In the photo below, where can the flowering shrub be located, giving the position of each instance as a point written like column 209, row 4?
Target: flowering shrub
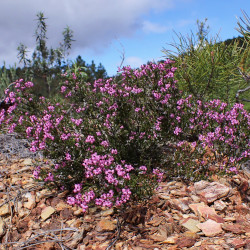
column 222, row 138
column 107, row 139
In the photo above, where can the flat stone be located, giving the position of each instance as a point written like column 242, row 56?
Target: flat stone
column 77, row 212
column 204, row 211
column 164, row 196
column 216, row 218
column 210, row 246
column 242, row 209
column 2, row 227
column 4, row 210
column 210, row 228
column 195, row 198
column 170, row 240
column 185, row 242
column 181, row 204
column 47, row 212
column 157, row 237
column 180, row 193
column 156, row 221
column 190, row 234
column 194, row 207
column 191, row 225
column 61, row 205
column 166, row 229
column 31, row 201
column 234, row 228
column 229, row 219
column 23, row 212
column 211, row 191
column 237, row 243
column 209, row 213
column 27, row 162
column 105, row 225
column 219, row 205
column 107, row 212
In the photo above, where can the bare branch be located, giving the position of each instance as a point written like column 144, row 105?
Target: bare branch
column 247, row 79
column 122, row 52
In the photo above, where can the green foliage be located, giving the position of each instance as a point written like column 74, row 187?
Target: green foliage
column 208, row 69
column 244, row 66
column 7, row 76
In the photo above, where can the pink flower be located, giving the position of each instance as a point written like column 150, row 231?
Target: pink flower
column 51, row 108
column 36, row 174
column 63, row 89
column 105, row 144
column 144, row 169
column 68, row 157
column 78, row 188
column 177, row 131
column 90, row 139
column 71, row 200
column 113, row 151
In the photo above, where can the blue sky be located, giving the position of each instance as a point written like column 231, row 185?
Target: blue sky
column 103, row 29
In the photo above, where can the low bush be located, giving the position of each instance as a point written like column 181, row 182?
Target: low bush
column 110, row 140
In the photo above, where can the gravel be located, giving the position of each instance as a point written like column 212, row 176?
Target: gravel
column 12, row 146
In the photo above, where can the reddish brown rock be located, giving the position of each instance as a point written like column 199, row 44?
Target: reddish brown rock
column 234, row 228
column 156, row 221
column 47, row 212
column 185, row 242
column 237, row 243
column 157, row 237
column 209, row 213
column 211, row 191
column 180, row 204
column 210, row 228
column 219, row 205
column 66, row 213
column 2, row 227
column 5, row 210
column 216, row 218
column 194, row 207
column 171, row 240
column 191, row 224
column 105, row 225
column 211, row 247
column 31, row 201
column 242, row 209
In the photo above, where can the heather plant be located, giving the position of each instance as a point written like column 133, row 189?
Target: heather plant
column 222, row 139
column 107, row 138
column 104, row 138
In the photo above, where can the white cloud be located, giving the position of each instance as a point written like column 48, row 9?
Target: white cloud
column 95, row 22
column 149, row 27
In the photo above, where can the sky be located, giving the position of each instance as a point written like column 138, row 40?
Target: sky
column 108, row 30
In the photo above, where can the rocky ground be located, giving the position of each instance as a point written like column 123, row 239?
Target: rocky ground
column 202, row 215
